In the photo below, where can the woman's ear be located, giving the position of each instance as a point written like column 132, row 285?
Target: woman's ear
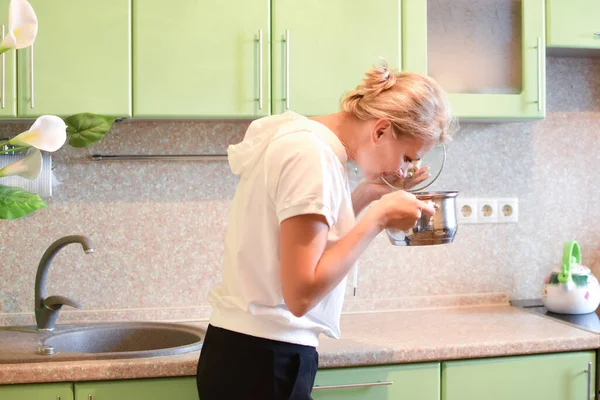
column 379, row 129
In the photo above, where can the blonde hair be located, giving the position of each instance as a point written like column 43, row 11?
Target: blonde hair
column 415, row 104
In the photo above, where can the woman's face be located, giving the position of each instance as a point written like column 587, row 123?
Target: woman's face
column 383, row 154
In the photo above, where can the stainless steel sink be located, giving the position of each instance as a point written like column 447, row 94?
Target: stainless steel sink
column 125, row 340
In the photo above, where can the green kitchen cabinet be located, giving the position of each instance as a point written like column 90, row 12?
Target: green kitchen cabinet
column 80, row 61
column 8, row 69
column 478, row 23
column 201, row 59
column 539, row 377
column 42, row 391
column 146, row 389
column 322, row 49
column 409, row 381
column 573, row 24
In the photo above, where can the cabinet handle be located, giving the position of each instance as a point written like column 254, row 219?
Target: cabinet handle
column 539, row 62
column 287, row 69
column 31, row 101
column 260, row 69
column 597, row 34
column 589, row 381
column 353, row 385
column 3, row 76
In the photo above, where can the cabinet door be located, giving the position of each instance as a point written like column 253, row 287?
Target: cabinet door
column 80, row 61
column 414, row 382
column 44, row 391
column 146, row 389
column 322, row 49
column 8, row 71
column 491, row 67
column 200, row 58
column 543, row 377
column 573, row 24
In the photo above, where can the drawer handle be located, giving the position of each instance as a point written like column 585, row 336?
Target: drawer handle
column 260, row 69
column 539, row 63
column 353, row 385
column 589, row 381
column 31, row 77
column 597, row 34
column 287, row 69
column 3, row 75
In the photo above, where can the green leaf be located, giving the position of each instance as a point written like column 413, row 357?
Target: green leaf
column 85, row 129
column 17, row 203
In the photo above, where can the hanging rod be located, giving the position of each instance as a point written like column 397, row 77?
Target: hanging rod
column 163, row 157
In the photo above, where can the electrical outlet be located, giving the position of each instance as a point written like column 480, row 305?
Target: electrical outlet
column 466, row 210
column 508, row 210
column 487, row 211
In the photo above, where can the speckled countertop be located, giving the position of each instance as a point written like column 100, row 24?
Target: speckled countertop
column 368, row 339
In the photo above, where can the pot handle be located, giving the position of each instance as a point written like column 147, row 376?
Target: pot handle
column 571, row 254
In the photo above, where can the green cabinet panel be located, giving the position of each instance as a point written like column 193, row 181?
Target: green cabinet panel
column 139, row 389
column 201, row 58
column 573, row 24
column 540, row 377
column 8, row 69
column 42, row 391
column 322, row 49
column 528, row 104
column 81, row 59
column 409, row 381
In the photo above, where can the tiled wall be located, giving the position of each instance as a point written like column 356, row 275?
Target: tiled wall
column 158, row 227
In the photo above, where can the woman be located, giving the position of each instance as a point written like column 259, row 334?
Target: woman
column 292, row 235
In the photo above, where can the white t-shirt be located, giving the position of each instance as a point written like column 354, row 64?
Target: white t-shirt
column 289, row 165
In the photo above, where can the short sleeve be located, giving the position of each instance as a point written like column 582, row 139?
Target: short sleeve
column 304, row 177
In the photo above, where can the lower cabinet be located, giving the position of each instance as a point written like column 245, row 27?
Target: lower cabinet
column 410, row 381
column 138, row 389
column 540, row 377
column 560, row 376
column 41, row 391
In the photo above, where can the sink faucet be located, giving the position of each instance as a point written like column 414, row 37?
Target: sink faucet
column 47, row 308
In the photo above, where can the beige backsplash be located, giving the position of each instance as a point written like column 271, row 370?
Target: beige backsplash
column 158, row 227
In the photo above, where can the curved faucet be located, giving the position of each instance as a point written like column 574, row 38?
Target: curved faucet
column 47, row 308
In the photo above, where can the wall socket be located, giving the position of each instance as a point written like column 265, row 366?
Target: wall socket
column 486, row 210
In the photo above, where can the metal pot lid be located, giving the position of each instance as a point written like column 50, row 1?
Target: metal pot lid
column 435, row 159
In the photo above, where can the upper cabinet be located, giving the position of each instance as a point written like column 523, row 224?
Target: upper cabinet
column 488, row 55
column 206, row 59
column 573, row 24
column 322, row 49
column 80, row 61
column 252, row 58
column 8, row 69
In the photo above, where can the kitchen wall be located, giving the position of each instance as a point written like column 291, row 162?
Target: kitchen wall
column 158, row 227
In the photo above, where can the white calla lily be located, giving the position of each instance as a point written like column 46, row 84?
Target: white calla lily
column 22, row 26
column 28, row 167
column 47, row 133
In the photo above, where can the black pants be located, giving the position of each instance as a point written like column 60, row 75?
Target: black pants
column 234, row 366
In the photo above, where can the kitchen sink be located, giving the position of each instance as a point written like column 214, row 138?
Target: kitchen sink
column 124, row 340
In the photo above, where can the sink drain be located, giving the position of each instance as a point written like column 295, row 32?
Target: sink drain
column 45, row 350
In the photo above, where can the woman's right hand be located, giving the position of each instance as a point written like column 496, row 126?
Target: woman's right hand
column 401, row 210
